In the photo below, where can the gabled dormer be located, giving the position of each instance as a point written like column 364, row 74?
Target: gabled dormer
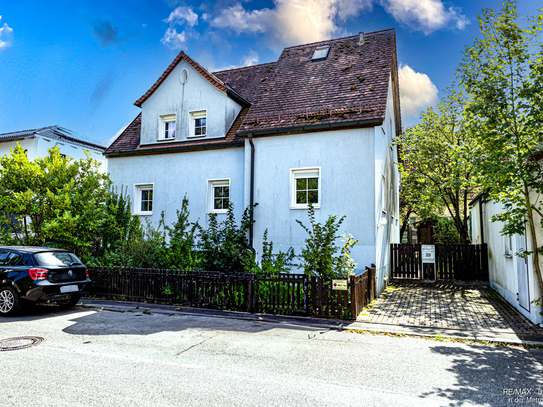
column 187, row 103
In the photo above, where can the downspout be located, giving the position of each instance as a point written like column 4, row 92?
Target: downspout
column 251, row 187
column 481, row 219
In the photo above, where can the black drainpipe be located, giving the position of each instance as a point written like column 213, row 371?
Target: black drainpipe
column 481, row 218
column 252, row 187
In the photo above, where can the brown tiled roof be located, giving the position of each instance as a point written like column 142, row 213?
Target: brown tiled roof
column 350, row 85
column 348, row 88
column 129, row 141
column 210, row 77
column 246, row 81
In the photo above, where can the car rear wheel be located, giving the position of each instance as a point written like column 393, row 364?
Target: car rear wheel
column 9, row 301
column 72, row 302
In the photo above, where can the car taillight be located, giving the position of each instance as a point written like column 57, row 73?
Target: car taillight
column 38, row 274
column 87, row 272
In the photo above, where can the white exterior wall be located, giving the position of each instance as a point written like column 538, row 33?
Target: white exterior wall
column 38, row 146
column 503, row 271
column 197, row 94
column 176, row 174
column 346, row 161
column 386, row 189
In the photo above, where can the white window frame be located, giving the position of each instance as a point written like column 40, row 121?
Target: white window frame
column 197, row 114
column 162, row 120
column 138, row 189
column 320, row 53
column 211, row 185
column 508, row 246
column 305, row 172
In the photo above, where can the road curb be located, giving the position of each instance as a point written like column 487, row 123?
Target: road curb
column 318, row 323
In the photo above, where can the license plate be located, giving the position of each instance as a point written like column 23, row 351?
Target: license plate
column 69, row 288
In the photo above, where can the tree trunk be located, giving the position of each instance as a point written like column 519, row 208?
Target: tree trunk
column 405, row 223
column 535, row 256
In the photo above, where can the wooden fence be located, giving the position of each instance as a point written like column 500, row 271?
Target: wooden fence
column 292, row 294
column 453, row 262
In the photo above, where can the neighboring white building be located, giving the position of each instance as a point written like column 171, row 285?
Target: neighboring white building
column 513, row 277
column 38, row 141
column 315, row 126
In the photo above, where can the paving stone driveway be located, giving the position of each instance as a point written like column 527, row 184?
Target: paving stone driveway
column 438, row 305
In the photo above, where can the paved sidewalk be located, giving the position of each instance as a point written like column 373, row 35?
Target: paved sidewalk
column 437, row 305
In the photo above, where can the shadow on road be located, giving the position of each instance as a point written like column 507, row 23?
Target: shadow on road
column 511, row 375
column 139, row 322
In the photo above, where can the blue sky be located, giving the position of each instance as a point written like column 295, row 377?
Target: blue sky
column 82, row 64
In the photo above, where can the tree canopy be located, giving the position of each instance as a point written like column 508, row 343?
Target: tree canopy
column 503, row 74
column 55, row 200
column 436, row 170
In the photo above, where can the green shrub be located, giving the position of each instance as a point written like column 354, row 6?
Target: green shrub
column 224, row 246
column 319, row 256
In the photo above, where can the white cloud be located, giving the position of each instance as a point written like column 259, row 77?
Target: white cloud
column 182, row 15
column 5, row 33
column 425, row 15
column 173, row 39
column 301, row 21
column 240, row 20
column 417, row 91
column 250, row 59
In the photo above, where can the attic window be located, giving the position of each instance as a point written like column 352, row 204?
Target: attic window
column 320, row 53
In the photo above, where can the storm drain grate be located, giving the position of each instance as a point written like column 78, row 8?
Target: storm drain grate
column 21, row 342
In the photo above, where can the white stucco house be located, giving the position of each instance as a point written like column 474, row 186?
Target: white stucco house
column 313, row 127
column 37, row 142
column 511, row 276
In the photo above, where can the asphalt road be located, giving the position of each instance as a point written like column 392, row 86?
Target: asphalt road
column 170, row 358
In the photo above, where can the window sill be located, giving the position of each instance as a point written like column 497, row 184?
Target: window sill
column 304, row 207
column 193, row 137
column 508, row 256
column 144, row 213
column 218, row 211
column 166, row 140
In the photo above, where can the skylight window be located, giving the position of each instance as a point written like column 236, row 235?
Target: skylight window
column 320, row 53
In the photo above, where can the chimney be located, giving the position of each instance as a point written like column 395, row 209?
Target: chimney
column 361, row 41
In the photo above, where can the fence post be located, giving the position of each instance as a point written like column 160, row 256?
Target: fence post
column 354, row 298
column 306, row 287
column 373, row 282
column 251, row 292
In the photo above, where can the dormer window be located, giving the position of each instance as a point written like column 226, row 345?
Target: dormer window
column 198, row 124
column 320, row 53
column 167, row 127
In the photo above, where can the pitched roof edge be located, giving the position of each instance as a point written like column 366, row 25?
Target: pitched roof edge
column 182, row 56
column 187, row 147
column 338, row 39
column 243, row 67
column 314, row 127
column 124, row 131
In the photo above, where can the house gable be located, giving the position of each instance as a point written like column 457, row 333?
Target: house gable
column 197, row 108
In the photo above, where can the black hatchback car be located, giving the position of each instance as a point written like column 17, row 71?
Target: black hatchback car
column 39, row 274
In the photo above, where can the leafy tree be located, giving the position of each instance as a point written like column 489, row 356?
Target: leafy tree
column 56, row 200
column 436, row 170
column 181, row 237
column 273, row 264
column 445, row 231
column 503, row 73
column 320, row 255
column 224, row 246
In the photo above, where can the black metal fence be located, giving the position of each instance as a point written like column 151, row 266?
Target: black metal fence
column 292, row 294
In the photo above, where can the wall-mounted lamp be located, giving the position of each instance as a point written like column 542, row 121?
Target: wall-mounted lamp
column 382, row 222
